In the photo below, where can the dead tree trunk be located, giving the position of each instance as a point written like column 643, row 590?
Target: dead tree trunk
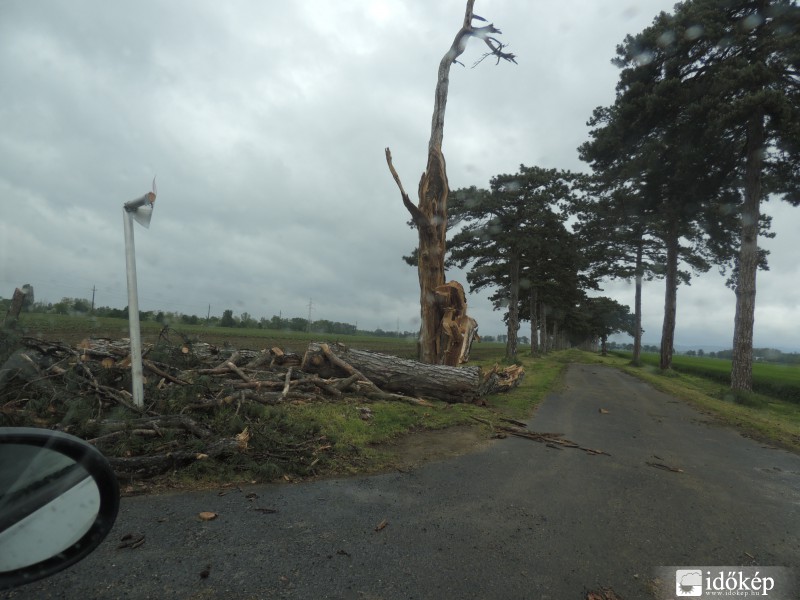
column 430, row 215
column 14, row 309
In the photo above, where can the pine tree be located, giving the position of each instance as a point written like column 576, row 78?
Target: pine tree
column 507, row 232
column 735, row 66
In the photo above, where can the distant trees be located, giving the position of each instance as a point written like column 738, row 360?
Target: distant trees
column 511, row 236
column 227, row 319
column 81, row 306
column 605, row 317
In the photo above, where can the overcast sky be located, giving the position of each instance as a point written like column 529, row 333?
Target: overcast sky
column 265, row 124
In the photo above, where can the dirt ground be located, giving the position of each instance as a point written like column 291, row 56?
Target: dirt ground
column 422, row 447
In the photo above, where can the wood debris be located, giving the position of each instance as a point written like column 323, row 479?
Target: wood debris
column 551, row 440
column 664, row 467
column 131, row 541
column 192, row 386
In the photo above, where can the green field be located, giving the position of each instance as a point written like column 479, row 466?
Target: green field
column 770, row 379
column 73, row 329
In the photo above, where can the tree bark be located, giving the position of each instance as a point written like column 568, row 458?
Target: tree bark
column 12, row 316
column 554, row 345
column 742, row 364
column 670, row 297
column 513, row 308
column 543, row 312
column 402, row 376
column 637, row 306
column 532, row 306
column 457, row 330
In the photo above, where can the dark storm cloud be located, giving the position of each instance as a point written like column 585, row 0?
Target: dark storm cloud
column 265, row 125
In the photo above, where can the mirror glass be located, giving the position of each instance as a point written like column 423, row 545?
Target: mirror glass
column 47, row 503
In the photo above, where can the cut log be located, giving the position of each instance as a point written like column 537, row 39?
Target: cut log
column 398, row 375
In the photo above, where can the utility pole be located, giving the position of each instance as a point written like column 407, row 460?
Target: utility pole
column 310, row 306
column 93, row 289
column 208, row 315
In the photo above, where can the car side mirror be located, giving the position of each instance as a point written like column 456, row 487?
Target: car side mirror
column 58, row 500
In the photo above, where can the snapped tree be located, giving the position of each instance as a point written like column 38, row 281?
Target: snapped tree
column 430, row 214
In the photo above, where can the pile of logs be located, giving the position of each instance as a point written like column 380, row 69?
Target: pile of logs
column 188, row 382
column 267, row 376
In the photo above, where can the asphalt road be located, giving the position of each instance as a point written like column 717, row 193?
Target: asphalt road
column 517, row 519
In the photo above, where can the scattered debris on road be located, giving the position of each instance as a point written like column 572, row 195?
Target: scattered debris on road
column 665, row 467
column 131, row 541
column 551, row 440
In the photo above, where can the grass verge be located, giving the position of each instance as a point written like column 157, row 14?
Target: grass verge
column 754, row 415
column 780, row 381
column 367, row 445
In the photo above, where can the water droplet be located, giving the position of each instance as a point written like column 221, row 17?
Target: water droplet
column 693, row 32
column 666, row 39
column 643, row 58
column 751, row 22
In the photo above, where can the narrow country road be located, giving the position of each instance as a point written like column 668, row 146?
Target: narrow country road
column 516, row 519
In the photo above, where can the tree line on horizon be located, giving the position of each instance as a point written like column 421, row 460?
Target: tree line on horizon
column 771, row 355
column 83, row 307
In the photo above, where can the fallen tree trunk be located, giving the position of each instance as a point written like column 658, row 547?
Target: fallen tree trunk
column 404, row 376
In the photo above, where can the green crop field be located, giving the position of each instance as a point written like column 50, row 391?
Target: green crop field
column 771, row 379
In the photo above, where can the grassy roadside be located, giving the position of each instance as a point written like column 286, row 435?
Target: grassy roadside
column 777, row 380
column 362, row 446
column 754, row 415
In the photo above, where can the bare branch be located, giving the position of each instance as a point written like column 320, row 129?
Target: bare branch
column 468, row 15
column 417, row 215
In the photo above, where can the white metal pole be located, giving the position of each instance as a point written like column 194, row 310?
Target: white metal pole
column 133, row 311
